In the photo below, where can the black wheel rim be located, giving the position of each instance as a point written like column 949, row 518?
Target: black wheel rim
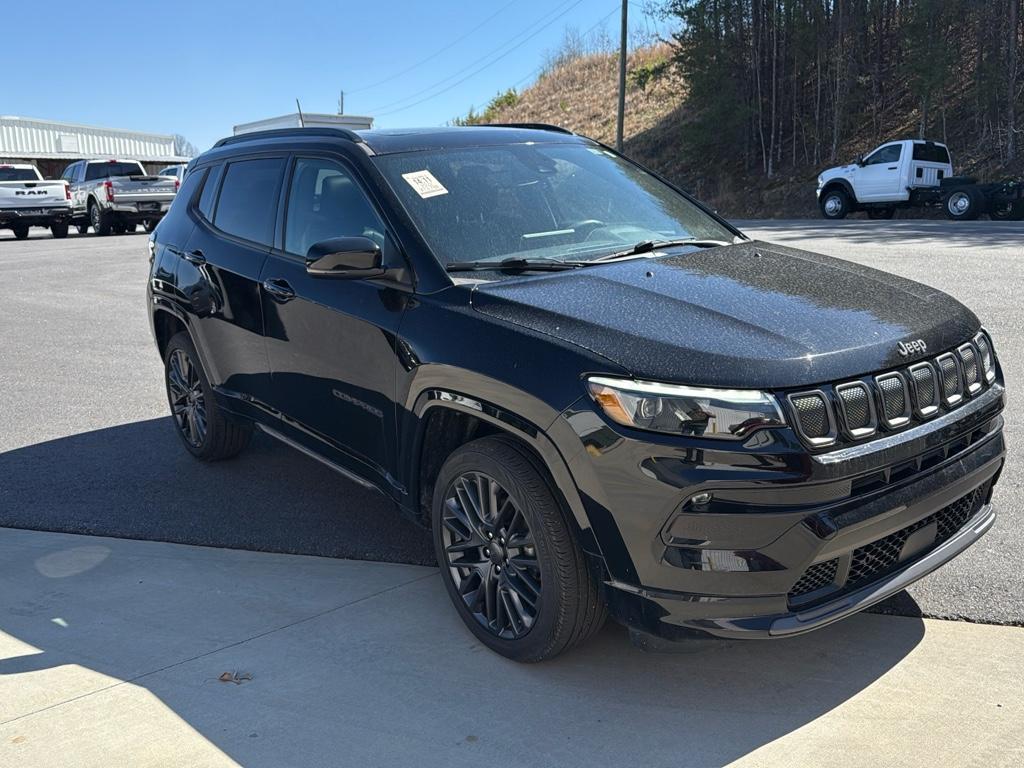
column 491, row 555
column 187, row 401
column 94, row 217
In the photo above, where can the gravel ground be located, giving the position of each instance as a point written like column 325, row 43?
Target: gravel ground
column 86, row 446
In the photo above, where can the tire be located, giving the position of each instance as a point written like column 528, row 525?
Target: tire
column 531, row 539
column 881, row 213
column 83, row 229
column 20, row 231
column 59, row 231
column 100, row 220
column 150, row 224
column 963, row 204
column 117, row 229
column 204, row 429
column 835, row 204
column 1013, row 212
column 129, row 227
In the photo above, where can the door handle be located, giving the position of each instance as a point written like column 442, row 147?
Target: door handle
column 279, row 289
column 892, row 168
column 195, row 257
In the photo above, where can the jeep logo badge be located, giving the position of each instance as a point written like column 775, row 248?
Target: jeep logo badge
column 908, row 348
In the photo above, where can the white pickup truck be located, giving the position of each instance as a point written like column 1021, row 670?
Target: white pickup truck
column 26, row 200
column 116, row 195
column 914, row 173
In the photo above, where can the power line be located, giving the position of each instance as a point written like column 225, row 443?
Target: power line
column 385, row 109
column 434, row 55
column 540, row 69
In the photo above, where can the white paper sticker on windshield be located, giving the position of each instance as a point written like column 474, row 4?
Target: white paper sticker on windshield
column 425, row 184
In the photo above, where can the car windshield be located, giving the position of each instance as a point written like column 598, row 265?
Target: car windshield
column 111, row 169
column 574, row 202
column 18, row 174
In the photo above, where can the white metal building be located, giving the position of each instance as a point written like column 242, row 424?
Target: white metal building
column 52, row 145
column 309, row 119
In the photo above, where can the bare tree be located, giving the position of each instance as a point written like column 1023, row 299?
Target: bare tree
column 183, row 147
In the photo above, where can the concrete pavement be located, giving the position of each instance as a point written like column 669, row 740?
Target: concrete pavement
column 111, row 652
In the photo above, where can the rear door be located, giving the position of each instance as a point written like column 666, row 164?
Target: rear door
column 879, row 179
column 331, row 341
column 218, row 273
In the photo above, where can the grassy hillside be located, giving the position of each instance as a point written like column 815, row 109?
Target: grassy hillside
column 581, row 95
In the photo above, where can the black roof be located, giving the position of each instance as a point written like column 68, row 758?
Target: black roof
column 394, row 140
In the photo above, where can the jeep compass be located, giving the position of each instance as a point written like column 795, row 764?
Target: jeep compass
column 599, row 396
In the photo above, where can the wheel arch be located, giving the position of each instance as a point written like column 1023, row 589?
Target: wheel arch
column 446, row 419
column 842, row 184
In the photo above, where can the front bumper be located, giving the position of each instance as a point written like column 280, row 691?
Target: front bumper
column 678, row 563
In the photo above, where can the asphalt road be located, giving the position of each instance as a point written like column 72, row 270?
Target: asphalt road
column 86, row 446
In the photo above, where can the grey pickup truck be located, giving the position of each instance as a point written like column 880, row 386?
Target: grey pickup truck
column 114, row 196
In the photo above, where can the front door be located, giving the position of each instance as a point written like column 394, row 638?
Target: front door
column 879, row 178
column 330, row 341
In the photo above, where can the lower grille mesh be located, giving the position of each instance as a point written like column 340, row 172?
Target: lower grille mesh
column 817, row 576
column 875, row 560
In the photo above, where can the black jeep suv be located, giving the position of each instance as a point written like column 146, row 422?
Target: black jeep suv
column 601, row 397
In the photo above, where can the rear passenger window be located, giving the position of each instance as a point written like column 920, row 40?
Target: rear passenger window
column 187, row 191
column 325, row 202
column 209, row 194
column 247, row 204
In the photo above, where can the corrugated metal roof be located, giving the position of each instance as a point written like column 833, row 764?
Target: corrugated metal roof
column 26, row 137
column 308, row 119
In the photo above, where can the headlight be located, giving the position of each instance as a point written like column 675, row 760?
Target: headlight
column 681, row 410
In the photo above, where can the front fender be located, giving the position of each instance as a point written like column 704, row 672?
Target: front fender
column 511, row 410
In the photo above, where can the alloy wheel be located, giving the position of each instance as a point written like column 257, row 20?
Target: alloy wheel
column 492, row 555
column 833, row 205
column 188, row 404
column 958, row 203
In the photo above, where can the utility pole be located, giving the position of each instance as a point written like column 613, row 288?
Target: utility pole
column 622, row 80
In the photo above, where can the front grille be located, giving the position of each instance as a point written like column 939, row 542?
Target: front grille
column 969, row 361
column 895, row 401
column 981, row 342
column 855, row 402
column 873, row 561
column 817, row 576
column 949, row 371
column 812, row 414
column 848, row 409
column 926, row 390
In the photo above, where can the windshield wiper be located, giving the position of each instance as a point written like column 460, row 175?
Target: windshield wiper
column 648, row 246
column 516, row 265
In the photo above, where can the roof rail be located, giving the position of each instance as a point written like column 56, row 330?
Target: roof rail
column 274, row 133
column 533, row 126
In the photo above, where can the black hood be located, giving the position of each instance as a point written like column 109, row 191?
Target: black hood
column 748, row 315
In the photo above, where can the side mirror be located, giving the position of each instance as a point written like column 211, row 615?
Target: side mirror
column 860, row 160
column 347, row 258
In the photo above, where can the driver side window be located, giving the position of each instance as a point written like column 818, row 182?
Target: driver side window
column 325, row 201
column 887, row 154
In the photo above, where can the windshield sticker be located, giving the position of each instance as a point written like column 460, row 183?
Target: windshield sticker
column 425, row 184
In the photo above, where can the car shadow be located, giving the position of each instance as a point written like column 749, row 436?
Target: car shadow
column 136, row 481
column 395, row 678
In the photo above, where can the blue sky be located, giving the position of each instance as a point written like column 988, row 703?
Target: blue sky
column 198, row 68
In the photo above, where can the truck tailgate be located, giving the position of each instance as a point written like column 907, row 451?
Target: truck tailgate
column 33, row 194
column 144, row 189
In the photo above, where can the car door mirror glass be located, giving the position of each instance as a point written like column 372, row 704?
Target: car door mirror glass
column 345, row 257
